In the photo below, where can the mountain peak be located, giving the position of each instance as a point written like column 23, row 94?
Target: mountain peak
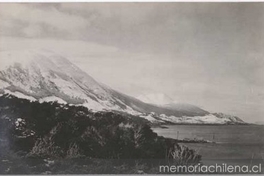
column 41, row 60
column 22, row 57
column 41, row 75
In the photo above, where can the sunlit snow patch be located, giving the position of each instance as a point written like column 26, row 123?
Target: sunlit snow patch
column 20, row 95
column 52, row 99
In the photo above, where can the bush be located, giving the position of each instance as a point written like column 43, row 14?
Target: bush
column 67, row 133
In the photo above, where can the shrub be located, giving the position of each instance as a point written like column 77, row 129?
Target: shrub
column 55, row 131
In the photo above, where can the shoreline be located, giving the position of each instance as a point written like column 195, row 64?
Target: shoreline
column 197, row 124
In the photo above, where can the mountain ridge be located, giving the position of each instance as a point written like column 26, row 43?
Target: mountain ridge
column 42, row 74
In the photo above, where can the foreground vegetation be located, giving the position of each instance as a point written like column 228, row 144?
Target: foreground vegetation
column 64, row 139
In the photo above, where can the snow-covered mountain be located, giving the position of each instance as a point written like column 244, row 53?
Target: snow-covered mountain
column 212, row 118
column 156, row 98
column 165, row 101
column 45, row 76
column 40, row 75
column 186, row 108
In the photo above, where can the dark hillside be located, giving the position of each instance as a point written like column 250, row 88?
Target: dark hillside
column 53, row 131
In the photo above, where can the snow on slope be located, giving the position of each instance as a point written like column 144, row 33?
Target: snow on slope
column 164, row 101
column 152, row 118
column 20, row 95
column 187, row 108
column 40, row 75
column 206, row 119
column 23, row 57
column 52, row 99
column 47, row 76
column 3, row 84
column 155, row 98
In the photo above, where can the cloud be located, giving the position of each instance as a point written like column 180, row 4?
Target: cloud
column 126, row 13
column 207, row 53
column 33, row 30
column 36, row 21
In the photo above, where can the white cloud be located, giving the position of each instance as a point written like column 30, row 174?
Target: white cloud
column 35, row 18
column 33, row 30
column 128, row 13
column 210, row 54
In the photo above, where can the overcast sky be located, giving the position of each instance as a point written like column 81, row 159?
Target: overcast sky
column 207, row 54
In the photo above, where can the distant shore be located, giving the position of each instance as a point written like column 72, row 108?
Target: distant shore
column 196, row 124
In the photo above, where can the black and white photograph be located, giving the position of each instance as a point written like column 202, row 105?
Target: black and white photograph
column 131, row 88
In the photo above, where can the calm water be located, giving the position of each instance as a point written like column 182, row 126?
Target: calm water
column 238, row 142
